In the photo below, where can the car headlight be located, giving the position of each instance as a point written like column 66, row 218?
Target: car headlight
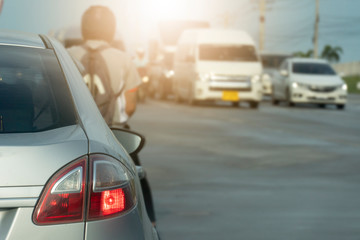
column 344, row 87
column 255, row 79
column 298, row 85
column 169, row 73
column 266, row 77
column 145, row 79
column 204, row 77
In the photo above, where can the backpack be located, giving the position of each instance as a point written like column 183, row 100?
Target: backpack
column 98, row 81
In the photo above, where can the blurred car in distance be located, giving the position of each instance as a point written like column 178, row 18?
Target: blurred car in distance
column 63, row 174
column 162, row 48
column 305, row 80
column 271, row 62
column 212, row 64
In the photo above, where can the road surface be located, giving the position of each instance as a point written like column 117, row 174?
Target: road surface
column 220, row 172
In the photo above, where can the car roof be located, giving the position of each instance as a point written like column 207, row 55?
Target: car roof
column 15, row 38
column 308, row 60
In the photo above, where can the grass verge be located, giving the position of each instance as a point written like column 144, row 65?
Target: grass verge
column 352, row 84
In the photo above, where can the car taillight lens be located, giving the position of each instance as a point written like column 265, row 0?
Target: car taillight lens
column 110, row 192
column 62, row 200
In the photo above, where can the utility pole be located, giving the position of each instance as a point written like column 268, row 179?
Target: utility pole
column 262, row 7
column 316, row 31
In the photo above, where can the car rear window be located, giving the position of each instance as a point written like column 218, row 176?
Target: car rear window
column 241, row 53
column 34, row 95
column 313, row 68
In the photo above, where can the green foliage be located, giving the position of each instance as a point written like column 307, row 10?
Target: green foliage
column 332, row 54
column 307, row 54
column 352, row 83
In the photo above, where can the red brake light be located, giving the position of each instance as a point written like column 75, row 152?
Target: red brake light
column 110, row 187
column 111, row 190
column 62, row 200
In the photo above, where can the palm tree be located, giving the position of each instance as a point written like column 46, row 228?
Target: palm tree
column 332, row 54
column 307, row 54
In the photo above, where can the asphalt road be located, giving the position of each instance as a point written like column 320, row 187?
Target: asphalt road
column 220, row 172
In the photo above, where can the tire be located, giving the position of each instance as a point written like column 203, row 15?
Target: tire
column 340, row 106
column 191, row 101
column 235, row 104
column 177, row 97
column 274, row 101
column 254, row 105
column 288, row 100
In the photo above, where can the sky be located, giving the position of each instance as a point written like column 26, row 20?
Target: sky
column 289, row 24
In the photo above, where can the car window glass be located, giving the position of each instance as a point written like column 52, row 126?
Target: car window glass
column 313, row 68
column 33, row 92
column 233, row 53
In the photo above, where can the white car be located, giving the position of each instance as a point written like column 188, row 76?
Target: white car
column 309, row 81
column 64, row 173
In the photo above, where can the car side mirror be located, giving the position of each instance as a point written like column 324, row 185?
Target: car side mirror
column 284, row 73
column 131, row 141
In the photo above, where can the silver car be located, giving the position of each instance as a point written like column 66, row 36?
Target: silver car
column 63, row 172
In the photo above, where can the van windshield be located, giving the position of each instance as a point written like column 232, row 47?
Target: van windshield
column 234, row 53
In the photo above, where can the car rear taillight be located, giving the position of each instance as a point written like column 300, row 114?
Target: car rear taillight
column 62, row 200
column 109, row 189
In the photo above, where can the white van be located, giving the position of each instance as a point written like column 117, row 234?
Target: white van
column 215, row 64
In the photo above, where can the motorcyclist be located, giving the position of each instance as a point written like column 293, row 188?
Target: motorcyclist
column 98, row 29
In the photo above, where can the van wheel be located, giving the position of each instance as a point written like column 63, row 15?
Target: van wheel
column 235, row 104
column 177, row 96
column 288, row 99
column 340, row 106
column 191, row 101
column 274, row 101
column 254, row 105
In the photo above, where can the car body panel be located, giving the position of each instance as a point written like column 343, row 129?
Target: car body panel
column 316, row 80
column 11, row 197
column 20, row 39
column 16, row 224
column 230, row 68
column 41, row 154
column 101, row 139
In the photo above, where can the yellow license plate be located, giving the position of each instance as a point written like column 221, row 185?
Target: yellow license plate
column 230, row 96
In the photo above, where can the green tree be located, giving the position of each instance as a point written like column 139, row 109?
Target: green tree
column 301, row 54
column 332, row 54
